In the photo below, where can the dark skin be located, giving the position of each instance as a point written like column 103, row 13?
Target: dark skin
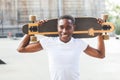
column 65, row 31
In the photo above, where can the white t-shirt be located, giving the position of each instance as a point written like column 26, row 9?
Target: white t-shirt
column 64, row 58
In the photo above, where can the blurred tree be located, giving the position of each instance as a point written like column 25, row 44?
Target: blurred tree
column 114, row 15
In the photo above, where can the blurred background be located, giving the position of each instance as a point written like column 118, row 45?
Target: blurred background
column 15, row 13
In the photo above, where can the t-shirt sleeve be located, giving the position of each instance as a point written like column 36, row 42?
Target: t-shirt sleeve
column 46, row 42
column 83, row 44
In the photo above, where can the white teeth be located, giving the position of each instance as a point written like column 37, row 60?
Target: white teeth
column 64, row 35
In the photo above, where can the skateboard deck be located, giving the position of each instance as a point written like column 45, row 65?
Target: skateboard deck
column 86, row 27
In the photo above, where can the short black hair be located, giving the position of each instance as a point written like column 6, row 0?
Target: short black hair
column 67, row 17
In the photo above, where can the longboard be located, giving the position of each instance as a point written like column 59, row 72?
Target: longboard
column 86, row 27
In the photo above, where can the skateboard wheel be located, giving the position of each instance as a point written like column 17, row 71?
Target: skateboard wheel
column 105, row 37
column 105, row 17
column 32, row 18
column 33, row 38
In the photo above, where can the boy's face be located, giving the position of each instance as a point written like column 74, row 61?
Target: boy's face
column 65, row 29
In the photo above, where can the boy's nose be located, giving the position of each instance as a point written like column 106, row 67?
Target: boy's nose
column 64, row 30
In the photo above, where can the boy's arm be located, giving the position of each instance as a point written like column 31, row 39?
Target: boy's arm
column 26, row 47
column 99, row 52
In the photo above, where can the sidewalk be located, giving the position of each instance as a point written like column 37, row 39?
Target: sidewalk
column 35, row 66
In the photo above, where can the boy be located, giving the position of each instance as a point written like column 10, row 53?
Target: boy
column 63, row 51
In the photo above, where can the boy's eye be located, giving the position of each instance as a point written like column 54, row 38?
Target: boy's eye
column 61, row 27
column 68, row 27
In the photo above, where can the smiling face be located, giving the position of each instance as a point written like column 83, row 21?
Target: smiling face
column 65, row 29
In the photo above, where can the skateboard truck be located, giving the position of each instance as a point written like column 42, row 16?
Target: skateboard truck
column 32, row 19
column 105, row 27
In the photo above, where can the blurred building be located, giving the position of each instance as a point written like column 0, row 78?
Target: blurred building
column 13, row 13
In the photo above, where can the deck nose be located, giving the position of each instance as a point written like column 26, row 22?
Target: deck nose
column 25, row 29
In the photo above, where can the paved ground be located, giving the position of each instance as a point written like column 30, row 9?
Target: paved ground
column 35, row 66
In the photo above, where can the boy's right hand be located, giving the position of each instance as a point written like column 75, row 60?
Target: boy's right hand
column 40, row 22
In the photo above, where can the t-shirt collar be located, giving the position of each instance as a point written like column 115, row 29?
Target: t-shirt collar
column 65, row 43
